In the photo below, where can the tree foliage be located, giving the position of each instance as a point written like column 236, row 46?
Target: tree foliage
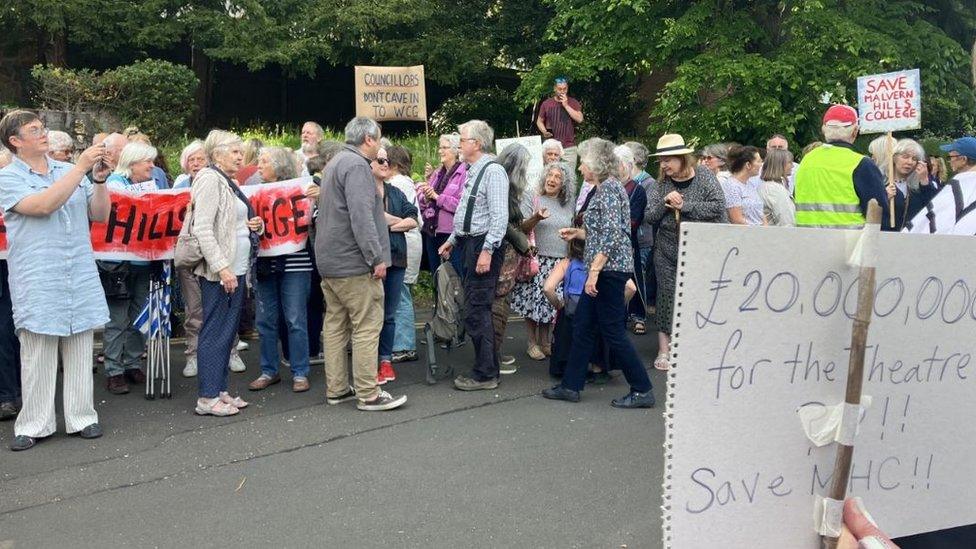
column 746, row 69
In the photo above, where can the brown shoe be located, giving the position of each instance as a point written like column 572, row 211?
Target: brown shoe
column 300, row 385
column 135, row 375
column 263, row 382
column 117, row 385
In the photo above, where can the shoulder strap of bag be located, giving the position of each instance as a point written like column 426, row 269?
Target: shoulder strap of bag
column 469, row 211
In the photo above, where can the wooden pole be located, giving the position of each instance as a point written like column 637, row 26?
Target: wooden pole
column 890, row 142
column 855, row 368
column 677, row 218
column 427, row 133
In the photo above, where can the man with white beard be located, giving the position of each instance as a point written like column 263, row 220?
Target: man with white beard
column 312, row 134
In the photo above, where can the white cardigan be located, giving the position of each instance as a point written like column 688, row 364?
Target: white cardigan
column 414, row 241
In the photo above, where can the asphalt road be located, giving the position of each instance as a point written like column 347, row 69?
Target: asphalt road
column 503, row 468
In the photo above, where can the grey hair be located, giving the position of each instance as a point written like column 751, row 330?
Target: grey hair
column 640, row 153
column 774, row 168
column 839, row 133
column 317, row 126
column 626, row 161
column 282, row 162
column 568, row 191
column 453, row 141
column 60, row 141
column 598, row 156
column 515, row 159
column 717, row 150
column 386, row 143
column 217, row 140
column 113, row 140
column 359, row 128
column 911, row 146
column 191, row 149
column 132, row 153
column 880, row 150
column 552, row 144
column 480, row 131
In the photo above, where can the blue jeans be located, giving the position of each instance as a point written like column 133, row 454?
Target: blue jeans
column 405, row 334
column 431, row 244
column 285, row 295
column 221, row 316
column 392, row 287
column 604, row 314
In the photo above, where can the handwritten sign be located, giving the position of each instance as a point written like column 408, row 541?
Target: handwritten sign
column 145, row 226
column 761, row 331
column 889, row 102
column 534, row 144
column 391, row 93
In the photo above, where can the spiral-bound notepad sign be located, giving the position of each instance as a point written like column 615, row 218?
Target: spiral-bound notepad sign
column 762, row 329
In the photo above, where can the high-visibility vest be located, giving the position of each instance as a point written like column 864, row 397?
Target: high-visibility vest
column 824, row 194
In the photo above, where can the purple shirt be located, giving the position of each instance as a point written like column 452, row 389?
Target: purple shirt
column 557, row 120
column 447, row 200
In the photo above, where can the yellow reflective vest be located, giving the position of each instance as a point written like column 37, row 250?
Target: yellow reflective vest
column 824, row 194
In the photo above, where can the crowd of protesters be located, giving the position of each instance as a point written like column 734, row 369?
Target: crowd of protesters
column 582, row 263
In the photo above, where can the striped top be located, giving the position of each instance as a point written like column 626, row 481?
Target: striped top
column 298, row 262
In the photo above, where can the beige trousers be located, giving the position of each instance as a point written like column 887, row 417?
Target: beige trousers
column 353, row 310
column 39, row 375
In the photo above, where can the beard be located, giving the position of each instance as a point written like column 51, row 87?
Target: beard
column 309, row 148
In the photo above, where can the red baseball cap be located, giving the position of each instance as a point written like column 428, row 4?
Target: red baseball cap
column 840, row 115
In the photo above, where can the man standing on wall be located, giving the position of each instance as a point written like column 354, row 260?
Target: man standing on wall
column 558, row 117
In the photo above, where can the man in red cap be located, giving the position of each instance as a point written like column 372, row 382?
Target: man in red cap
column 834, row 183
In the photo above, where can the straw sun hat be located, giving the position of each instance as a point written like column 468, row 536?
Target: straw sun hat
column 672, row 144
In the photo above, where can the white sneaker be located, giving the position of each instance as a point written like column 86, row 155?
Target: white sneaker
column 236, row 364
column 191, row 366
column 242, row 345
column 383, row 401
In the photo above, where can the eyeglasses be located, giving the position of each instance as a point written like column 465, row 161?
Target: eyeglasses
column 954, row 156
column 382, row 161
column 36, row 131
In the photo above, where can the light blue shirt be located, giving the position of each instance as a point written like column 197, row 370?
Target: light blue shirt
column 489, row 215
column 54, row 284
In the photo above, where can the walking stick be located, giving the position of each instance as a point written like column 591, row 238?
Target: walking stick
column 890, row 145
column 150, row 370
column 855, row 368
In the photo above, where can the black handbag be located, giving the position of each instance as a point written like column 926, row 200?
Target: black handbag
column 114, row 278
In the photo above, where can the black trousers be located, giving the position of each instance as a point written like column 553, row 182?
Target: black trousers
column 9, row 344
column 479, row 294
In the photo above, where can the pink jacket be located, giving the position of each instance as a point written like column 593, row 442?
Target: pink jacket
column 447, row 201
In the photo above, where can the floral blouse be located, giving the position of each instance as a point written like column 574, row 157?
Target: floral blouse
column 607, row 224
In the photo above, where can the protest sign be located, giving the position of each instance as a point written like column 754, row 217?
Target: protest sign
column 391, row 93
column 762, row 331
column 889, row 102
column 534, row 144
column 145, row 226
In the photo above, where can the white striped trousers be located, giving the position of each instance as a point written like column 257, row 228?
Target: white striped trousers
column 39, row 377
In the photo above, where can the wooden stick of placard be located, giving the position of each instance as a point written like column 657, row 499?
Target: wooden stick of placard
column 890, row 146
column 855, row 367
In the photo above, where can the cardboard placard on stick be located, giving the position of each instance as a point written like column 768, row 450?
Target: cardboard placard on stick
column 761, row 333
column 889, row 102
column 391, row 93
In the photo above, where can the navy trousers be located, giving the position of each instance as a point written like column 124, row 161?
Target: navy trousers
column 606, row 314
column 221, row 317
column 9, row 344
column 479, row 294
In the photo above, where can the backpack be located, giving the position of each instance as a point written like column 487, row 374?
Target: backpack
column 573, row 284
column 447, row 324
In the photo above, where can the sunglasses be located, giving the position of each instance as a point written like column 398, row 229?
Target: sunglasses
column 382, row 161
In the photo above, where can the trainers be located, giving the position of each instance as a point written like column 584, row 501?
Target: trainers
column 344, row 397
column 284, row 362
column 135, row 375
column 236, row 364
column 507, row 367
column 506, row 360
column 383, row 401
column 316, row 360
column 558, row 392
column 8, row 410
column 117, row 385
column 190, row 370
column 92, row 431
column 463, row 383
column 404, row 356
column 634, row 399
column 535, row 353
column 22, row 442
column 242, row 345
column 386, row 370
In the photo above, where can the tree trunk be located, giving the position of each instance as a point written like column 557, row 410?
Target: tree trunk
column 203, row 69
column 56, row 49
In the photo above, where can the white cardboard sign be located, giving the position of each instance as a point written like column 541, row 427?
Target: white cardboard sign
column 763, row 322
column 534, row 144
column 889, row 102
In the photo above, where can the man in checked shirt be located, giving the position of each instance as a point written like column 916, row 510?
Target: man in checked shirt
column 479, row 231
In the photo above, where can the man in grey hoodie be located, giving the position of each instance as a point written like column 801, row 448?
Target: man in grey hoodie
column 352, row 251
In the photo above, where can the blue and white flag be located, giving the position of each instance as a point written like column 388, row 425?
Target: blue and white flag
column 154, row 318
column 952, row 211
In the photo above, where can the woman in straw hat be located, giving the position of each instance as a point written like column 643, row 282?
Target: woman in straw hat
column 685, row 192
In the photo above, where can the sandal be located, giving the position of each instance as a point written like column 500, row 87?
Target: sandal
column 662, row 363
column 640, row 328
column 236, row 402
column 217, row 408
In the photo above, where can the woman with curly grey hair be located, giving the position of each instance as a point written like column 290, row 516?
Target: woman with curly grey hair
column 547, row 208
column 602, row 307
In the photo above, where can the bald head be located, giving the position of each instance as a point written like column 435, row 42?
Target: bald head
column 114, row 143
